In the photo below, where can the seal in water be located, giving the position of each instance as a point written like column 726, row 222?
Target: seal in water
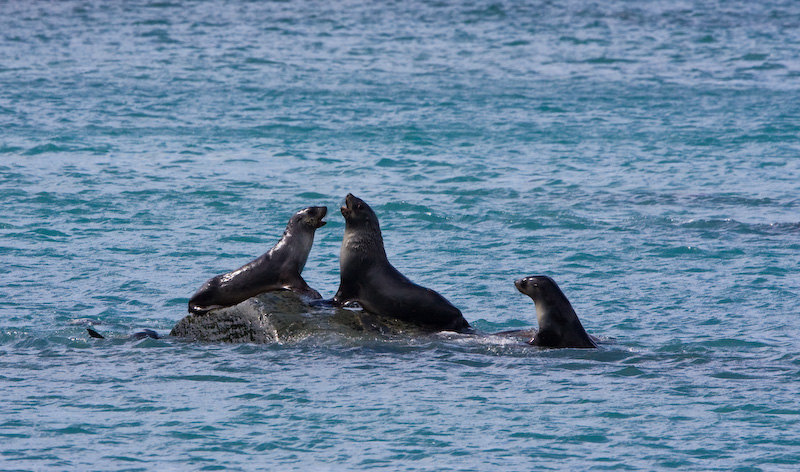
column 147, row 333
column 278, row 269
column 369, row 279
column 558, row 324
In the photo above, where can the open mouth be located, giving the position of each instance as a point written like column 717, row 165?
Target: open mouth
column 321, row 222
column 345, row 209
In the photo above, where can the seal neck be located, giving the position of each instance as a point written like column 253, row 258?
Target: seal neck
column 297, row 243
column 363, row 242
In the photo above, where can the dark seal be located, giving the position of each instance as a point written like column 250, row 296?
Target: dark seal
column 147, row 333
column 558, row 324
column 278, row 269
column 369, row 279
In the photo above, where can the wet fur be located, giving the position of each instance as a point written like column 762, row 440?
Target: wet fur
column 369, row 279
column 559, row 326
column 278, row 269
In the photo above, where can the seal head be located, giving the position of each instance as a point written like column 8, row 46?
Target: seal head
column 311, row 218
column 559, row 325
column 278, row 269
column 367, row 277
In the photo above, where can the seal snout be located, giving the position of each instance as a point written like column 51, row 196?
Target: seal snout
column 528, row 284
column 321, row 212
column 519, row 283
column 349, row 202
column 313, row 216
column 522, row 284
column 345, row 209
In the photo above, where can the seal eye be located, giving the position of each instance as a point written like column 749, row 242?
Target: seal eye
column 359, row 206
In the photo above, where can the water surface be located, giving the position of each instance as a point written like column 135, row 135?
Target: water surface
column 644, row 155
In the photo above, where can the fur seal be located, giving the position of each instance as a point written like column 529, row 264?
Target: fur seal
column 278, row 269
column 558, row 324
column 147, row 333
column 369, row 279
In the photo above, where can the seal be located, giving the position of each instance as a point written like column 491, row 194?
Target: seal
column 146, row 333
column 559, row 326
column 367, row 277
column 278, row 269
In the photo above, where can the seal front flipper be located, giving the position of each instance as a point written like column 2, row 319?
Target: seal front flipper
column 95, row 334
column 301, row 287
column 202, row 310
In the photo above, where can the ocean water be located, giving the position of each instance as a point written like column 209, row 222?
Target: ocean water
column 646, row 155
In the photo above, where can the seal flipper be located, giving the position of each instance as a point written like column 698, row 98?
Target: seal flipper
column 95, row 334
column 345, row 298
column 202, row 310
column 301, row 287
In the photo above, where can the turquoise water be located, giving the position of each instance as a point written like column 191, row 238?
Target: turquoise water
column 646, row 155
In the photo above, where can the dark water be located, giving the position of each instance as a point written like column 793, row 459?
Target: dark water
column 646, row 155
